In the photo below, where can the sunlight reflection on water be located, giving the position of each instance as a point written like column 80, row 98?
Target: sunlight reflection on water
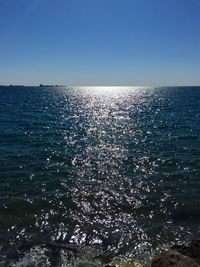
column 104, row 166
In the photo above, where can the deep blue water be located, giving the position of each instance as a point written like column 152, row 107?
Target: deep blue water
column 116, row 167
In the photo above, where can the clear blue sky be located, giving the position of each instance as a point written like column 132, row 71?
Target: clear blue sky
column 108, row 42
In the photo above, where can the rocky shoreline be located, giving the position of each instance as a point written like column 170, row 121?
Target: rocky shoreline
column 186, row 255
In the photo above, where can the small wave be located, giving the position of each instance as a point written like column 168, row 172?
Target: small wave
column 60, row 256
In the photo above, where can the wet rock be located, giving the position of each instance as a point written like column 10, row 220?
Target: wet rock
column 173, row 258
column 190, row 249
column 128, row 263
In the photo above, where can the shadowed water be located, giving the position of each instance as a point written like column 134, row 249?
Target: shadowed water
column 110, row 167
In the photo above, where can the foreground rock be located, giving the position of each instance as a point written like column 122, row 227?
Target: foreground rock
column 173, row 258
column 55, row 254
column 186, row 255
column 190, row 249
column 128, row 263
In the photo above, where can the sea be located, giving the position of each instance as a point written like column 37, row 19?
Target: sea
column 88, row 174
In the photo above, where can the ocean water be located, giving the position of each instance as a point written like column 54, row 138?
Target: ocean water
column 103, row 171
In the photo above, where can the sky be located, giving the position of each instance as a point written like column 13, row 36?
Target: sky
column 100, row 42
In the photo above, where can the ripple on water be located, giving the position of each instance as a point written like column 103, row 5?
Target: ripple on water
column 111, row 167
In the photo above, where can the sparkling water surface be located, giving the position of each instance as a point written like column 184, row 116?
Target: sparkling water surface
column 113, row 168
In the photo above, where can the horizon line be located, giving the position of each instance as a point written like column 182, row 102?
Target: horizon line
column 96, row 85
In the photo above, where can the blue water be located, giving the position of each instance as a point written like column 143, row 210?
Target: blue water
column 116, row 168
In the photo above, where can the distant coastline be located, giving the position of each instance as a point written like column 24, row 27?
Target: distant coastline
column 40, row 85
column 58, row 85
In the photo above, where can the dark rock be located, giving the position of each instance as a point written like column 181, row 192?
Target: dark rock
column 190, row 249
column 173, row 258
